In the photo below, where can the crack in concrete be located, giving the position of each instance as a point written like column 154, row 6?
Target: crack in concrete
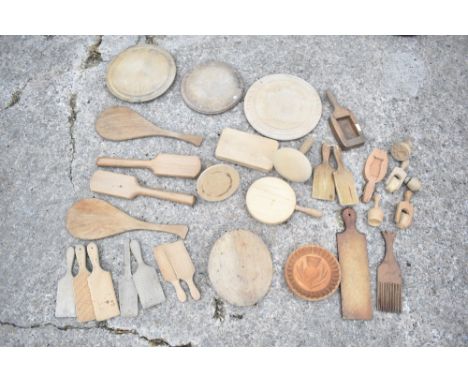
column 71, row 130
column 219, row 312
column 16, row 96
column 94, row 55
column 100, row 325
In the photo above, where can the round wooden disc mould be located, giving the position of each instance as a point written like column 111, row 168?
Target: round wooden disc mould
column 218, row 182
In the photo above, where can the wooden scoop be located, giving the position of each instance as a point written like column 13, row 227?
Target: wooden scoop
column 91, row 219
column 374, row 171
column 127, row 186
column 122, row 123
column 344, row 181
column 292, row 164
column 323, row 186
column 181, row 166
column 344, row 125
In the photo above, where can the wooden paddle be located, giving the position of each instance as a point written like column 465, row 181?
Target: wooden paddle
column 91, row 219
column 128, row 296
column 83, row 304
column 168, row 272
column 344, row 181
column 181, row 166
column 323, row 186
column 101, row 288
column 127, row 186
column 122, row 123
column 65, row 303
column 374, row 171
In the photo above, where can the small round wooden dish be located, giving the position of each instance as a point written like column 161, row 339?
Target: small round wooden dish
column 312, row 272
column 141, row 73
column 218, row 182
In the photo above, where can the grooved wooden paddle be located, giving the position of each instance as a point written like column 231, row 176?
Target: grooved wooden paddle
column 344, row 181
column 323, row 186
column 122, row 123
column 181, row 166
column 355, row 280
column 83, row 303
column 127, row 186
column 101, row 288
column 92, row 219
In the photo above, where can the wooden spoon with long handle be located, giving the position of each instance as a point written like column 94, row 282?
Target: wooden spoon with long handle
column 122, row 123
column 181, row 166
column 91, row 219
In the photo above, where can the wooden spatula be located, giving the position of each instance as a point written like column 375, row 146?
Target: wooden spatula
column 122, row 123
column 128, row 296
column 323, row 186
column 146, row 280
column 181, row 166
column 127, row 186
column 355, row 280
column 65, row 304
column 83, row 304
column 101, row 288
column 344, row 181
column 92, row 219
column 168, row 272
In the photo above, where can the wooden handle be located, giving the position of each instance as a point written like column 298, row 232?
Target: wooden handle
column 119, row 162
column 407, row 196
column 80, row 253
column 349, row 217
column 176, row 197
column 70, row 257
column 306, row 145
column 326, row 149
column 338, row 158
column 93, row 254
column 332, row 99
column 136, row 250
column 377, row 199
column 194, row 292
column 179, row 291
column 193, row 139
column 180, row 230
column 127, row 260
column 309, row 211
column 368, row 191
column 389, row 238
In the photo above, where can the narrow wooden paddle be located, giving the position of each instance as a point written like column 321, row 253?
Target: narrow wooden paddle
column 122, row 123
column 91, row 219
column 83, row 304
column 181, row 166
column 65, row 303
column 323, row 186
column 168, row 272
column 127, row 186
column 344, row 181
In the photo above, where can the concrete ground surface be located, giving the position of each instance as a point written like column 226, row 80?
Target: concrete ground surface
column 53, row 88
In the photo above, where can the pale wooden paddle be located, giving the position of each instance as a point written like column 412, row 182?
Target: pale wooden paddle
column 344, row 181
column 127, row 186
column 92, row 219
column 122, row 123
column 83, row 304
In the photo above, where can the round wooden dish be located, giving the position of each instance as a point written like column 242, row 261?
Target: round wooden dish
column 212, row 87
column 283, row 107
column 141, row 73
column 312, row 272
column 218, row 182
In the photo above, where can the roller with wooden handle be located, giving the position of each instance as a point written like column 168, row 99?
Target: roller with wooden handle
column 65, row 303
column 355, row 280
column 397, row 177
column 181, row 166
column 127, row 186
column 292, row 164
column 344, row 181
column 168, row 272
column 374, row 171
column 323, row 185
column 122, row 123
column 83, row 304
column 92, row 219
column 146, row 280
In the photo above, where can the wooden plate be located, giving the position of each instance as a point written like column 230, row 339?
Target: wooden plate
column 141, row 73
column 240, row 268
column 312, row 272
column 218, row 182
column 282, row 106
column 212, row 87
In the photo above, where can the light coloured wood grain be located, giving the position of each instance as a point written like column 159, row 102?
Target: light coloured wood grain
column 168, row 272
column 180, row 166
column 101, row 288
column 374, row 171
column 248, row 150
column 272, row 201
column 375, row 215
column 240, row 268
column 395, row 179
column 91, row 219
column 401, row 151
column 292, row 164
column 404, row 211
column 356, row 301
column 344, row 181
column 65, row 303
column 127, row 187
column 323, row 185
column 83, row 304
column 218, row 182
column 282, row 106
column 128, row 295
column 122, row 123
column 141, row 73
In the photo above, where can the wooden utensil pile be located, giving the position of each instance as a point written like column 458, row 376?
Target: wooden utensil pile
column 280, row 107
